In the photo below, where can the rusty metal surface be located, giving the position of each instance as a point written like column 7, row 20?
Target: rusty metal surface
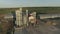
column 6, row 25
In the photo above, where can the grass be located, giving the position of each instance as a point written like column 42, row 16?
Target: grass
column 32, row 9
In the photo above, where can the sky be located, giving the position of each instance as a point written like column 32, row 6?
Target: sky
column 28, row 3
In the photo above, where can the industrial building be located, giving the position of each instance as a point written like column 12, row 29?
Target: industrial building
column 44, row 16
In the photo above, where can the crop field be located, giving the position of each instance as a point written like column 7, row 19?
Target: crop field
column 32, row 9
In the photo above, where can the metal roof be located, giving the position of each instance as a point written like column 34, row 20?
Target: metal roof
column 43, row 16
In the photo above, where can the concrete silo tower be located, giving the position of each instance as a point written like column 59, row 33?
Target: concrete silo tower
column 19, row 17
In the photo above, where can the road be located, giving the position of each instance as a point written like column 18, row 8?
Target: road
column 39, row 29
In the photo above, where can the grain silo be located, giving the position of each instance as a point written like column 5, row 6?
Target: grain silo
column 19, row 17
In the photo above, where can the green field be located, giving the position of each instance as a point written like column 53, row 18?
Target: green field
column 32, row 9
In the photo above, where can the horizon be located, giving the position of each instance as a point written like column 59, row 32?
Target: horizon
column 29, row 3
